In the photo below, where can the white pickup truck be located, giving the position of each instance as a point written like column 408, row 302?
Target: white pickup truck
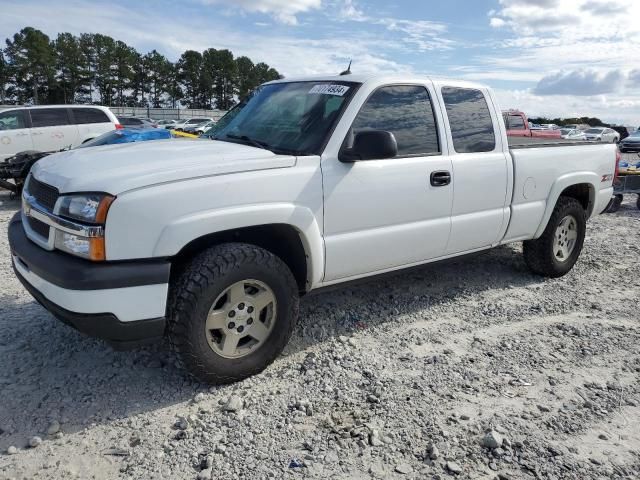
column 310, row 182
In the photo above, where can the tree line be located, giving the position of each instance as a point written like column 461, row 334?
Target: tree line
column 95, row 68
column 591, row 121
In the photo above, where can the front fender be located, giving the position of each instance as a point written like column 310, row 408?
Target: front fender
column 559, row 186
column 177, row 234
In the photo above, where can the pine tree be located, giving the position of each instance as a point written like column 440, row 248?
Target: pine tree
column 31, row 59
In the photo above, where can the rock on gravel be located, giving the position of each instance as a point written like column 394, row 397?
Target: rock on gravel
column 453, row 467
column 35, row 442
column 492, row 439
column 54, row 427
column 404, row 468
column 234, row 404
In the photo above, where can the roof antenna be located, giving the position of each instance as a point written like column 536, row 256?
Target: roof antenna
column 348, row 70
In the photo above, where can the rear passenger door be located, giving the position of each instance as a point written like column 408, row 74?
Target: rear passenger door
column 481, row 179
column 91, row 123
column 51, row 129
column 387, row 213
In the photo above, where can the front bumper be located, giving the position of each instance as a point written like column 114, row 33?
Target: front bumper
column 629, row 147
column 121, row 302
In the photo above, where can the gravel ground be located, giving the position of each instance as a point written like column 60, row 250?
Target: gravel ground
column 473, row 369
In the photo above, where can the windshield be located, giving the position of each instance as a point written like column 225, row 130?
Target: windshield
column 594, row 130
column 635, row 134
column 290, row 118
column 566, row 131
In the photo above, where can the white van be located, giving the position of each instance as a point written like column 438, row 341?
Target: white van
column 52, row 127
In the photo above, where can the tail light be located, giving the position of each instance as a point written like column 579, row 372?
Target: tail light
column 618, row 158
column 119, row 127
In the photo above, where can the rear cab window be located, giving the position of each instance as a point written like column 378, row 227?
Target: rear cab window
column 469, row 120
column 515, row 122
column 49, row 117
column 407, row 112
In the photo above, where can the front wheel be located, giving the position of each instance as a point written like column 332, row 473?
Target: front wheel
column 231, row 312
column 558, row 248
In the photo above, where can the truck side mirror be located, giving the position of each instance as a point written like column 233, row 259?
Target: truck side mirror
column 370, row 145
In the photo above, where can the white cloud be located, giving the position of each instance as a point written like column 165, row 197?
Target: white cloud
column 496, row 22
column 574, row 20
column 609, row 108
column 581, row 82
column 284, row 11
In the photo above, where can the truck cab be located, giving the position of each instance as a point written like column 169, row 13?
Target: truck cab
column 518, row 125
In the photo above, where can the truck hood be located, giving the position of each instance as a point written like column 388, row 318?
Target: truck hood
column 118, row 168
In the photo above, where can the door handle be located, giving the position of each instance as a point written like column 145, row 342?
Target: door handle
column 440, row 178
column 37, row 133
column 21, row 134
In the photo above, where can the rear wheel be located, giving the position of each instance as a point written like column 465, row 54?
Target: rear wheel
column 232, row 312
column 558, row 248
column 638, row 202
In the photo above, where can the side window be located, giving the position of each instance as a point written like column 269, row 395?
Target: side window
column 405, row 111
column 12, row 120
column 469, row 119
column 49, row 117
column 516, row 122
column 89, row 115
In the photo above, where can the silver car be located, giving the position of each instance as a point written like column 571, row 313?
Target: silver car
column 602, row 134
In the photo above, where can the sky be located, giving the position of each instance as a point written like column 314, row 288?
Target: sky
column 546, row 57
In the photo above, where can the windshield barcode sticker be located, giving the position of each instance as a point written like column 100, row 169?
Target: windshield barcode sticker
column 326, row 89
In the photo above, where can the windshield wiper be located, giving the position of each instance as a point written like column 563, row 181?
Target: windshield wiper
column 259, row 144
column 252, row 141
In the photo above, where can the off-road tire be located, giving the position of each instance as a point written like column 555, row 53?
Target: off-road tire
column 539, row 255
column 203, row 279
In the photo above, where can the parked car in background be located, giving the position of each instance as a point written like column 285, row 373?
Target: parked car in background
column 602, row 134
column 623, row 131
column 549, row 126
column 572, row 134
column 203, row 128
column 180, row 126
column 577, row 126
column 134, row 122
column 52, row 127
column 193, row 128
column 169, row 124
column 630, row 143
column 128, row 135
column 517, row 125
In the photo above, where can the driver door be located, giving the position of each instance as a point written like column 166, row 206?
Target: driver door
column 384, row 214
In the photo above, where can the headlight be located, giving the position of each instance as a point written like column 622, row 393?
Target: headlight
column 88, row 207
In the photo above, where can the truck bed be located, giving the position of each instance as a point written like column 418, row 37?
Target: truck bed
column 538, row 142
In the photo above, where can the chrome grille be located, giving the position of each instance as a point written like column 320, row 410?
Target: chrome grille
column 44, row 194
